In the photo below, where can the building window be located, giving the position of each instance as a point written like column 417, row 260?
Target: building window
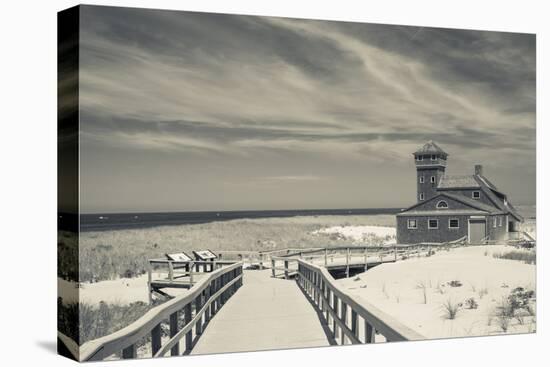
column 434, row 157
column 494, row 222
column 476, row 194
column 432, row 179
column 419, row 157
column 453, row 223
column 421, row 179
column 433, row 223
column 500, row 221
column 412, row 224
column 442, row 205
column 421, row 196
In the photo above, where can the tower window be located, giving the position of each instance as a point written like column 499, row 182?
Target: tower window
column 432, row 179
column 453, row 223
column 421, row 179
column 421, row 196
column 434, row 157
column 476, row 194
column 412, row 224
column 433, row 223
column 442, row 205
column 419, row 157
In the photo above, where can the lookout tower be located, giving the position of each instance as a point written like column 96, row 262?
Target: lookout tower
column 430, row 161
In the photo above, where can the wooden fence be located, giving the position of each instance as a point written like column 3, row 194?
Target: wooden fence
column 348, row 256
column 195, row 308
column 349, row 321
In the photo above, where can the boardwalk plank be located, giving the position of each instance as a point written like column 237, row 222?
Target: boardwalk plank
column 265, row 313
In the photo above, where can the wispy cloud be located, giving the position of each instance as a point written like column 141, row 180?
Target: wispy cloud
column 226, row 85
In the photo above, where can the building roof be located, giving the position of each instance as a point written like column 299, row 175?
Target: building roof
column 496, row 197
column 446, row 212
column 477, row 207
column 451, row 182
column 499, row 199
column 430, row 148
column 474, row 203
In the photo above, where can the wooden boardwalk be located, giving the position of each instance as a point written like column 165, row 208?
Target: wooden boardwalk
column 266, row 313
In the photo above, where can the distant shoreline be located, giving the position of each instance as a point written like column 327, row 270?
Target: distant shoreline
column 117, row 221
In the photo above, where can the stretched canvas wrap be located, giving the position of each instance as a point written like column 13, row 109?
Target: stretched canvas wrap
column 234, row 183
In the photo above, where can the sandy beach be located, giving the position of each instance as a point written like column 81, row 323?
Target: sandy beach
column 398, row 289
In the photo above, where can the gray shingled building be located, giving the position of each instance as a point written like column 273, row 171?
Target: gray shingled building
column 451, row 207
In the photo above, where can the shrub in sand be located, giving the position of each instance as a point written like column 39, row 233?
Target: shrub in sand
column 516, row 305
column 482, row 292
column 528, row 257
column 422, row 287
column 471, row 303
column 451, row 309
column 455, row 283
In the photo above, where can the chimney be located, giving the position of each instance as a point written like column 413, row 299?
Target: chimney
column 478, row 170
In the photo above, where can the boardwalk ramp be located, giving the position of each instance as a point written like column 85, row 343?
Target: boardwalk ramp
column 265, row 314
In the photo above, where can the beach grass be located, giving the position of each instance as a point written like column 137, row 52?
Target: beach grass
column 106, row 255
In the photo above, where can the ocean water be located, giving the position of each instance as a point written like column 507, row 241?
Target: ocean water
column 99, row 222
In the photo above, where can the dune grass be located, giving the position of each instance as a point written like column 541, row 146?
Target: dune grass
column 114, row 254
column 528, row 257
column 83, row 322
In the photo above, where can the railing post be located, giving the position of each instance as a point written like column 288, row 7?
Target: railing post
column 395, row 252
column 326, row 256
column 173, row 331
column 149, row 282
column 273, row 267
column 344, row 318
column 261, row 261
column 208, row 291
column 316, row 284
column 369, row 333
column 366, row 258
column 187, row 318
column 286, row 269
column 170, row 271
column 354, row 328
column 335, row 309
column 198, row 306
column 191, row 274
column 347, row 262
column 322, row 295
column 327, row 306
column 155, row 340
column 130, row 352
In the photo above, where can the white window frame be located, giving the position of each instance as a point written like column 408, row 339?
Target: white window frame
column 436, row 220
column 409, row 224
column 479, row 195
column 421, row 179
column 443, row 207
column 421, row 196
column 434, row 157
column 432, row 179
column 458, row 223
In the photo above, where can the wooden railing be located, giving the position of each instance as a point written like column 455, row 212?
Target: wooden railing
column 347, row 256
column 175, row 270
column 193, row 309
column 348, row 320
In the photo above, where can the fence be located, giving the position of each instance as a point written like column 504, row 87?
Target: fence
column 343, row 314
column 197, row 307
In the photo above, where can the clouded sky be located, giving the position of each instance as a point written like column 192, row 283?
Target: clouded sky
column 192, row 111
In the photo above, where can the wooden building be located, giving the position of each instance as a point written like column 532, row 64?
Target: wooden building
column 451, row 207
